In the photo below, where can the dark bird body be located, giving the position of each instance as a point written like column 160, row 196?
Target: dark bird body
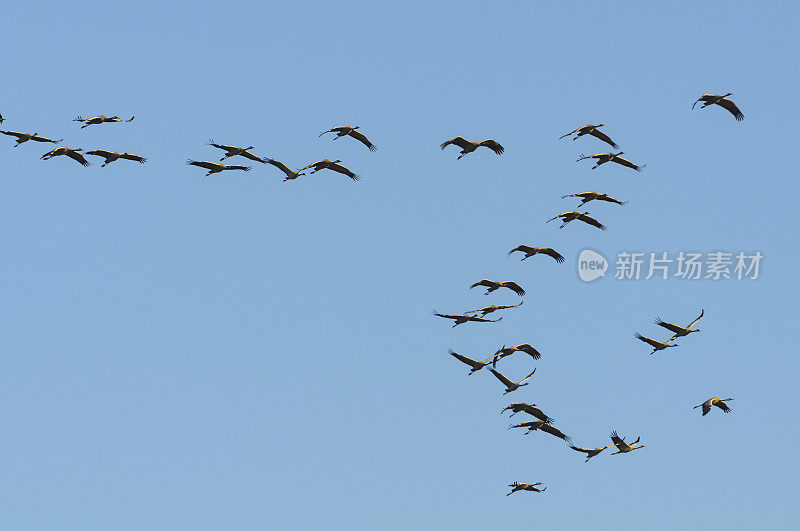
column 111, row 156
column 25, row 137
column 567, row 217
column 468, row 147
column 69, row 152
column 100, row 120
column 602, row 158
column 715, row 401
column 214, row 167
column 532, row 251
column 492, row 285
column 722, row 101
column 593, row 131
column 346, row 130
column 594, row 196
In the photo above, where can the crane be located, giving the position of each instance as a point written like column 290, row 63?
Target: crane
column 572, row 215
column 346, row 130
column 468, row 147
column 592, row 196
column 715, row 401
column 680, row 331
column 69, row 152
column 24, row 137
column 492, row 285
column 722, row 101
column 111, row 156
column 622, row 446
column 657, row 345
column 532, row 251
column 593, row 131
column 100, row 120
column 511, row 386
column 602, row 158
column 214, row 167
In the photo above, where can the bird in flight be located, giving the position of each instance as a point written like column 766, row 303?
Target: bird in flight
column 505, row 351
column 715, row 401
column 511, row 386
column 531, row 409
column 24, row 137
column 622, row 446
column 100, row 120
column 722, row 101
column 566, row 217
column 590, row 452
column 592, row 196
column 541, row 425
column 346, row 130
column 680, row 331
column 492, row 285
column 333, row 165
column 593, row 131
column 468, row 147
column 69, row 152
column 290, row 174
column 602, row 158
column 462, row 318
column 111, row 156
column 232, row 151
column 476, row 365
column 486, row 310
column 214, row 167
column 531, row 251
column 532, row 487
column 657, row 345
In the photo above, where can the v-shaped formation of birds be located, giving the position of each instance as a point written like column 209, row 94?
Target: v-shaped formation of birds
column 538, row 419
column 542, row 423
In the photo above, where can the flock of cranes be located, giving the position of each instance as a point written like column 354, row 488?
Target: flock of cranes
column 540, row 421
column 543, row 422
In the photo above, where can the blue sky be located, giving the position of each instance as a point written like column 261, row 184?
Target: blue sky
column 241, row 353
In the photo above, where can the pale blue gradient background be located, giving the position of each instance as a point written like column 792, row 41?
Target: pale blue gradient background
column 242, row 353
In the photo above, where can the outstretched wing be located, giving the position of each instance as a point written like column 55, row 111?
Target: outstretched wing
column 203, row 164
column 536, row 412
column 591, row 221
column 527, row 377
column 618, row 442
column 137, row 158
column 552, row 430
column 732, row 108
column 281, row 166
column 469, row 361
column 459, row 141
column 502, row 378
column 628, row 164
column 524, row 248
column 528, row 349
column 651, row 342
column 604, row 137
column 513, row 286
column 484, row 282
column 235, row 167
column 493, row 145
column 14, row 133
column 248, row 155
column 74, row 155
column 37, row 138
column 363, row 139
column 702, row 311
column 669, row 326
column 344, row 171
column 723, row 406
column 549, row 251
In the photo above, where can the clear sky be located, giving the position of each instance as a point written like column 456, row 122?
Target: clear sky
column 238, row 352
